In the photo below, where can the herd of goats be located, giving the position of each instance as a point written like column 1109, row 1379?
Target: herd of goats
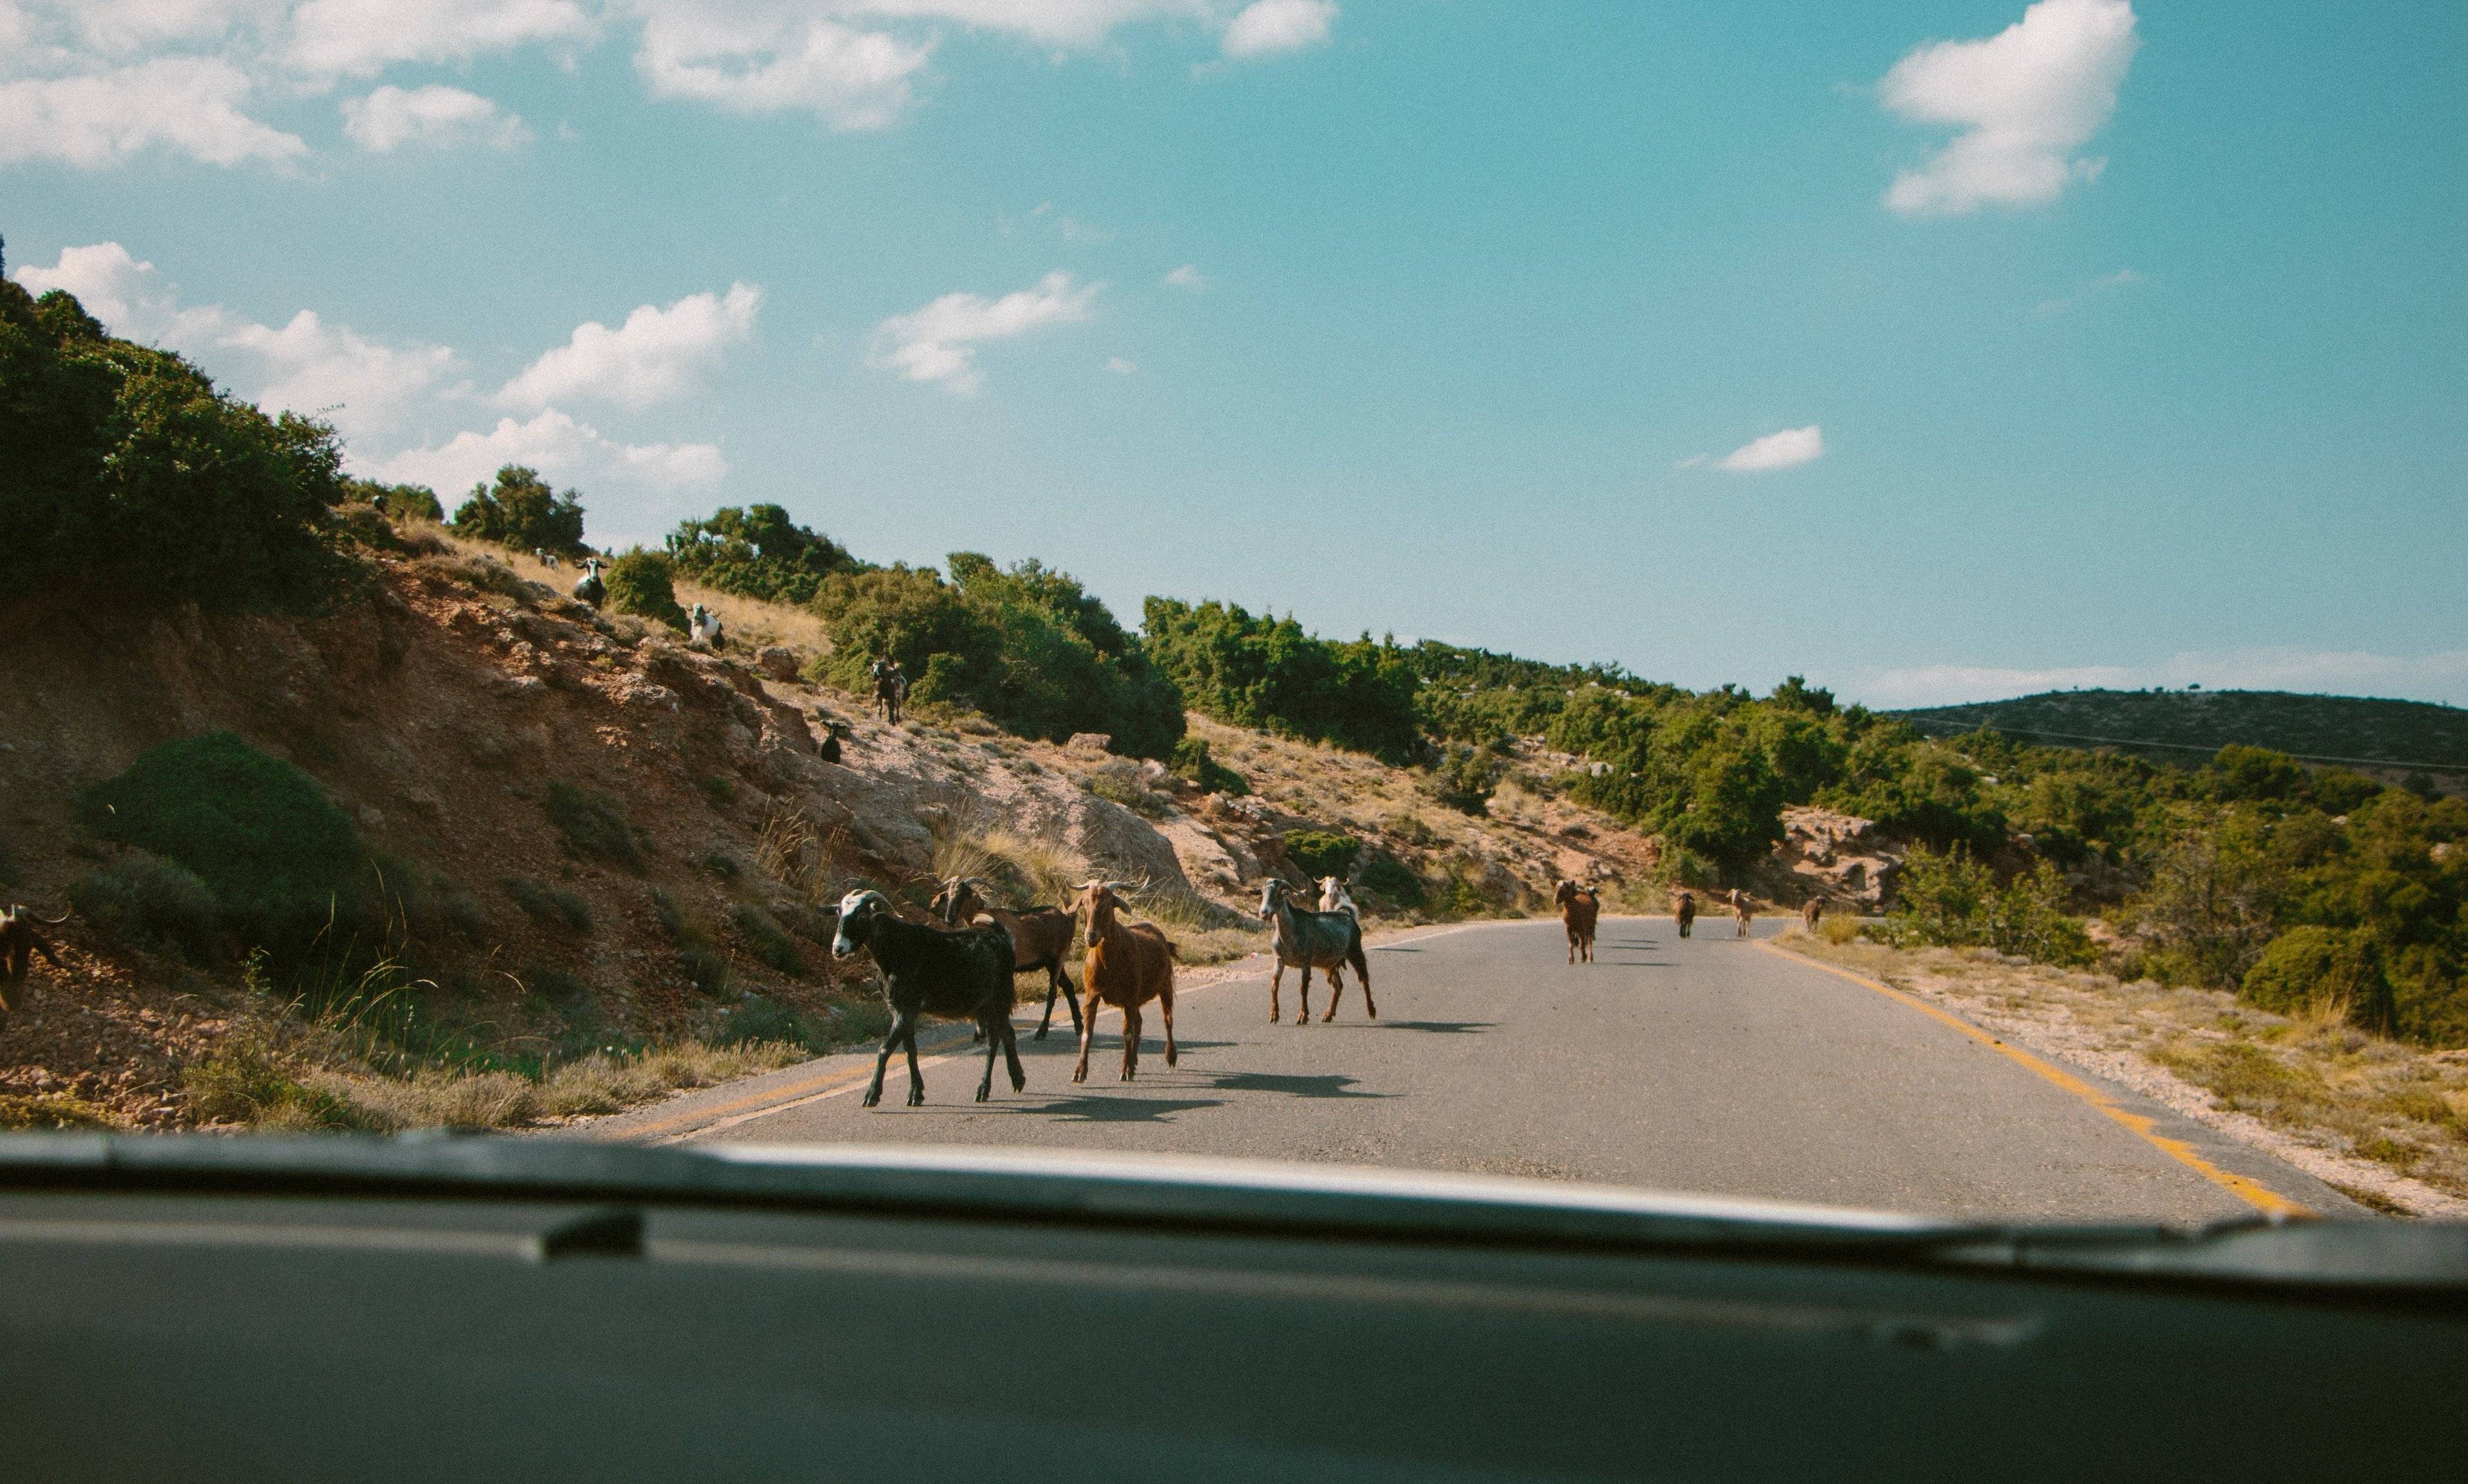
column 960, row 963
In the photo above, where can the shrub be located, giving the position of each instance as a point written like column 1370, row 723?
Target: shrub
column 1121, row 782
column 247, row 1081
column 2310, row 967
column 1838, row 928
column 767, row 941
column 50, row 1111
column 593, row 825
column 1191, row 760
column 758, row 553
column 1467, row 777
column 1953, row 900
column 521, row 511
column 1268, row 672
column 640, row 583
column 152, row 903
column 1321, row 851
column 704, row 970
column 1387, row 879
column 122, row 468
column 282, row 862
column 550, row 906
column 399, row 502
column 762, row 1019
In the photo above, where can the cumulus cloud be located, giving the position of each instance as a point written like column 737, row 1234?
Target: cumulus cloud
column 938, row 342
column 1789, row 448
column 656, row 355
column 2025, row 101
column 1188, row 276
column 2441, row 675
column 1268, row 27
column 189, row 105
column 564, row 449
column 772, row 59
column 433, row 115
column 365, row 387
column 361, row 37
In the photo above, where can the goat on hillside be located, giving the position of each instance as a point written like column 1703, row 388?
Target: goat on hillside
column 1333, row 897
column 1040, row 938
column 1128, row 966
column 545, row 557
column 702, row 629
column 1579, row 907
column 591, row 589
column 1685, row 911
column 1812, row 912
column 890, row 689
column 1744, row 908
column 1308, row 940
column 19, row 943
column 947, row 971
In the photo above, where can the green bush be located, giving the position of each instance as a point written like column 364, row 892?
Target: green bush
column 399, row 502
column 594, row 825
column 1321, row 851
column 1268, row 672
column 1120, row 781
column 767, row 941
column 152, row 903
column 1025, row 646
column 2309, row 966
column 1192, row 761
column 705, row 970
column 640, row 583
column 122, row 468
column 758, row 553
column 1467, row 777
column 1386, row 878
column 759, row 1019
column 550, row 906
column 247, row 1081
column 282, row 862
column 521, row 511
column 1953, row 900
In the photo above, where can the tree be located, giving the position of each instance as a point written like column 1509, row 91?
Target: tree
column 521, row 511
column 640, row 583
column 758, row 552
column 1268, row 672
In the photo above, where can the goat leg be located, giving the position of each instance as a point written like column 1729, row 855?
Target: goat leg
column 1130, row 1041
column 1335, row 992
column 1165, row 1007
column 1088, row 1034
column 915, row 1078
column 1276, row 978
column 1011, row 1058
column 992, row 1031
column 1302, row 1016
column 890, row 1040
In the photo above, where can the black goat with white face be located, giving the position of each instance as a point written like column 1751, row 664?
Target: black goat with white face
column 963, row 972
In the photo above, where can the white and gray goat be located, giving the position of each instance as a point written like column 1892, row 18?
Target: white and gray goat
column 1307, row 940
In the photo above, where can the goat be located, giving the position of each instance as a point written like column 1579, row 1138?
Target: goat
column 1744, row 907
column 591, row 589
column 1040, row 938
column 545, row 557
column 1127, row 967
column 1579, row 907
column 947, row 972
column 1685, row 911
column 19, row 943
column 1312, row 940
column 1333, row 897
column 890, row 689
column 702, row 628
column 1812, row 912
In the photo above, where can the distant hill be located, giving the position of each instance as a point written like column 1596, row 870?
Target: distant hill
column 2183, row 726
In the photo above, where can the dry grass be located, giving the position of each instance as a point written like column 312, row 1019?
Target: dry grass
column 596, row 1083
column 2306, row 1086
column 753, row 623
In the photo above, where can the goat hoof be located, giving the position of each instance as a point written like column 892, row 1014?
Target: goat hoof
column 871, row 1098
column 1040, row 1034
column 916, row 1099
column 1020, row 1085
column 985, row 1093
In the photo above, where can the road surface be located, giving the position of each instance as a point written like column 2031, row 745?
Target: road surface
column 1706, row 1064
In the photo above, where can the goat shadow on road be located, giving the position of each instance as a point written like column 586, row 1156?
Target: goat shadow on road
column 1330, row 1086
column 1432, row 1027
column 1090, row 1109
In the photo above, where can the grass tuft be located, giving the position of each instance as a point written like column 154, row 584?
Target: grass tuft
column 593, row 826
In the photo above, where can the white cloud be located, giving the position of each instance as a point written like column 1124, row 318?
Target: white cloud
column 1188, row 276
column 365, row 387
column 772, row 59
column 938, row 342
column 1074, row 24
column 564, row 451
column 655, row 356
column 2441, row 675
column 2025, row 100
column 1789, row 448
column 2106, row 283
column 434, row 115
column 361, row 37
column 188, row 105
column 1121, row 367
column 1266, row 27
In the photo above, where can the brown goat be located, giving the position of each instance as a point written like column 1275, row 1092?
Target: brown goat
column 1812, row 912
column 1685, row 911
column 1040, row 938
column 1579, row 906
column 1744, row 908
column 19, row 943
column 1128, row 966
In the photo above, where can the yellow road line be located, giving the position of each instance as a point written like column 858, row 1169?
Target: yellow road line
column 2253, row 1193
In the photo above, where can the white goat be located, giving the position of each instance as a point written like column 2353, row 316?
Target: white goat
column 545, row 557
column 702, row 629
column 1333, row 897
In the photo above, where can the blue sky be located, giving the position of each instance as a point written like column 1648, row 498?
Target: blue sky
column 1935, row 351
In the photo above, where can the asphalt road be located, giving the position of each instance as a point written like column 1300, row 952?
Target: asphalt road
column 1707, row 1065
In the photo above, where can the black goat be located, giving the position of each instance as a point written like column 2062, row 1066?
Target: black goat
column 963, row 972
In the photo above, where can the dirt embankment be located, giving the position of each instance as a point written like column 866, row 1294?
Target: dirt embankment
column 456, row 710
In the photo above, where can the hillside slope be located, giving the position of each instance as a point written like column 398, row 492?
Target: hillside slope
column 474, row 724
column 2189, row 727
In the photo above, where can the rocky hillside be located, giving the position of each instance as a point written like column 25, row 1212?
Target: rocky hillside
column 601, row 841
